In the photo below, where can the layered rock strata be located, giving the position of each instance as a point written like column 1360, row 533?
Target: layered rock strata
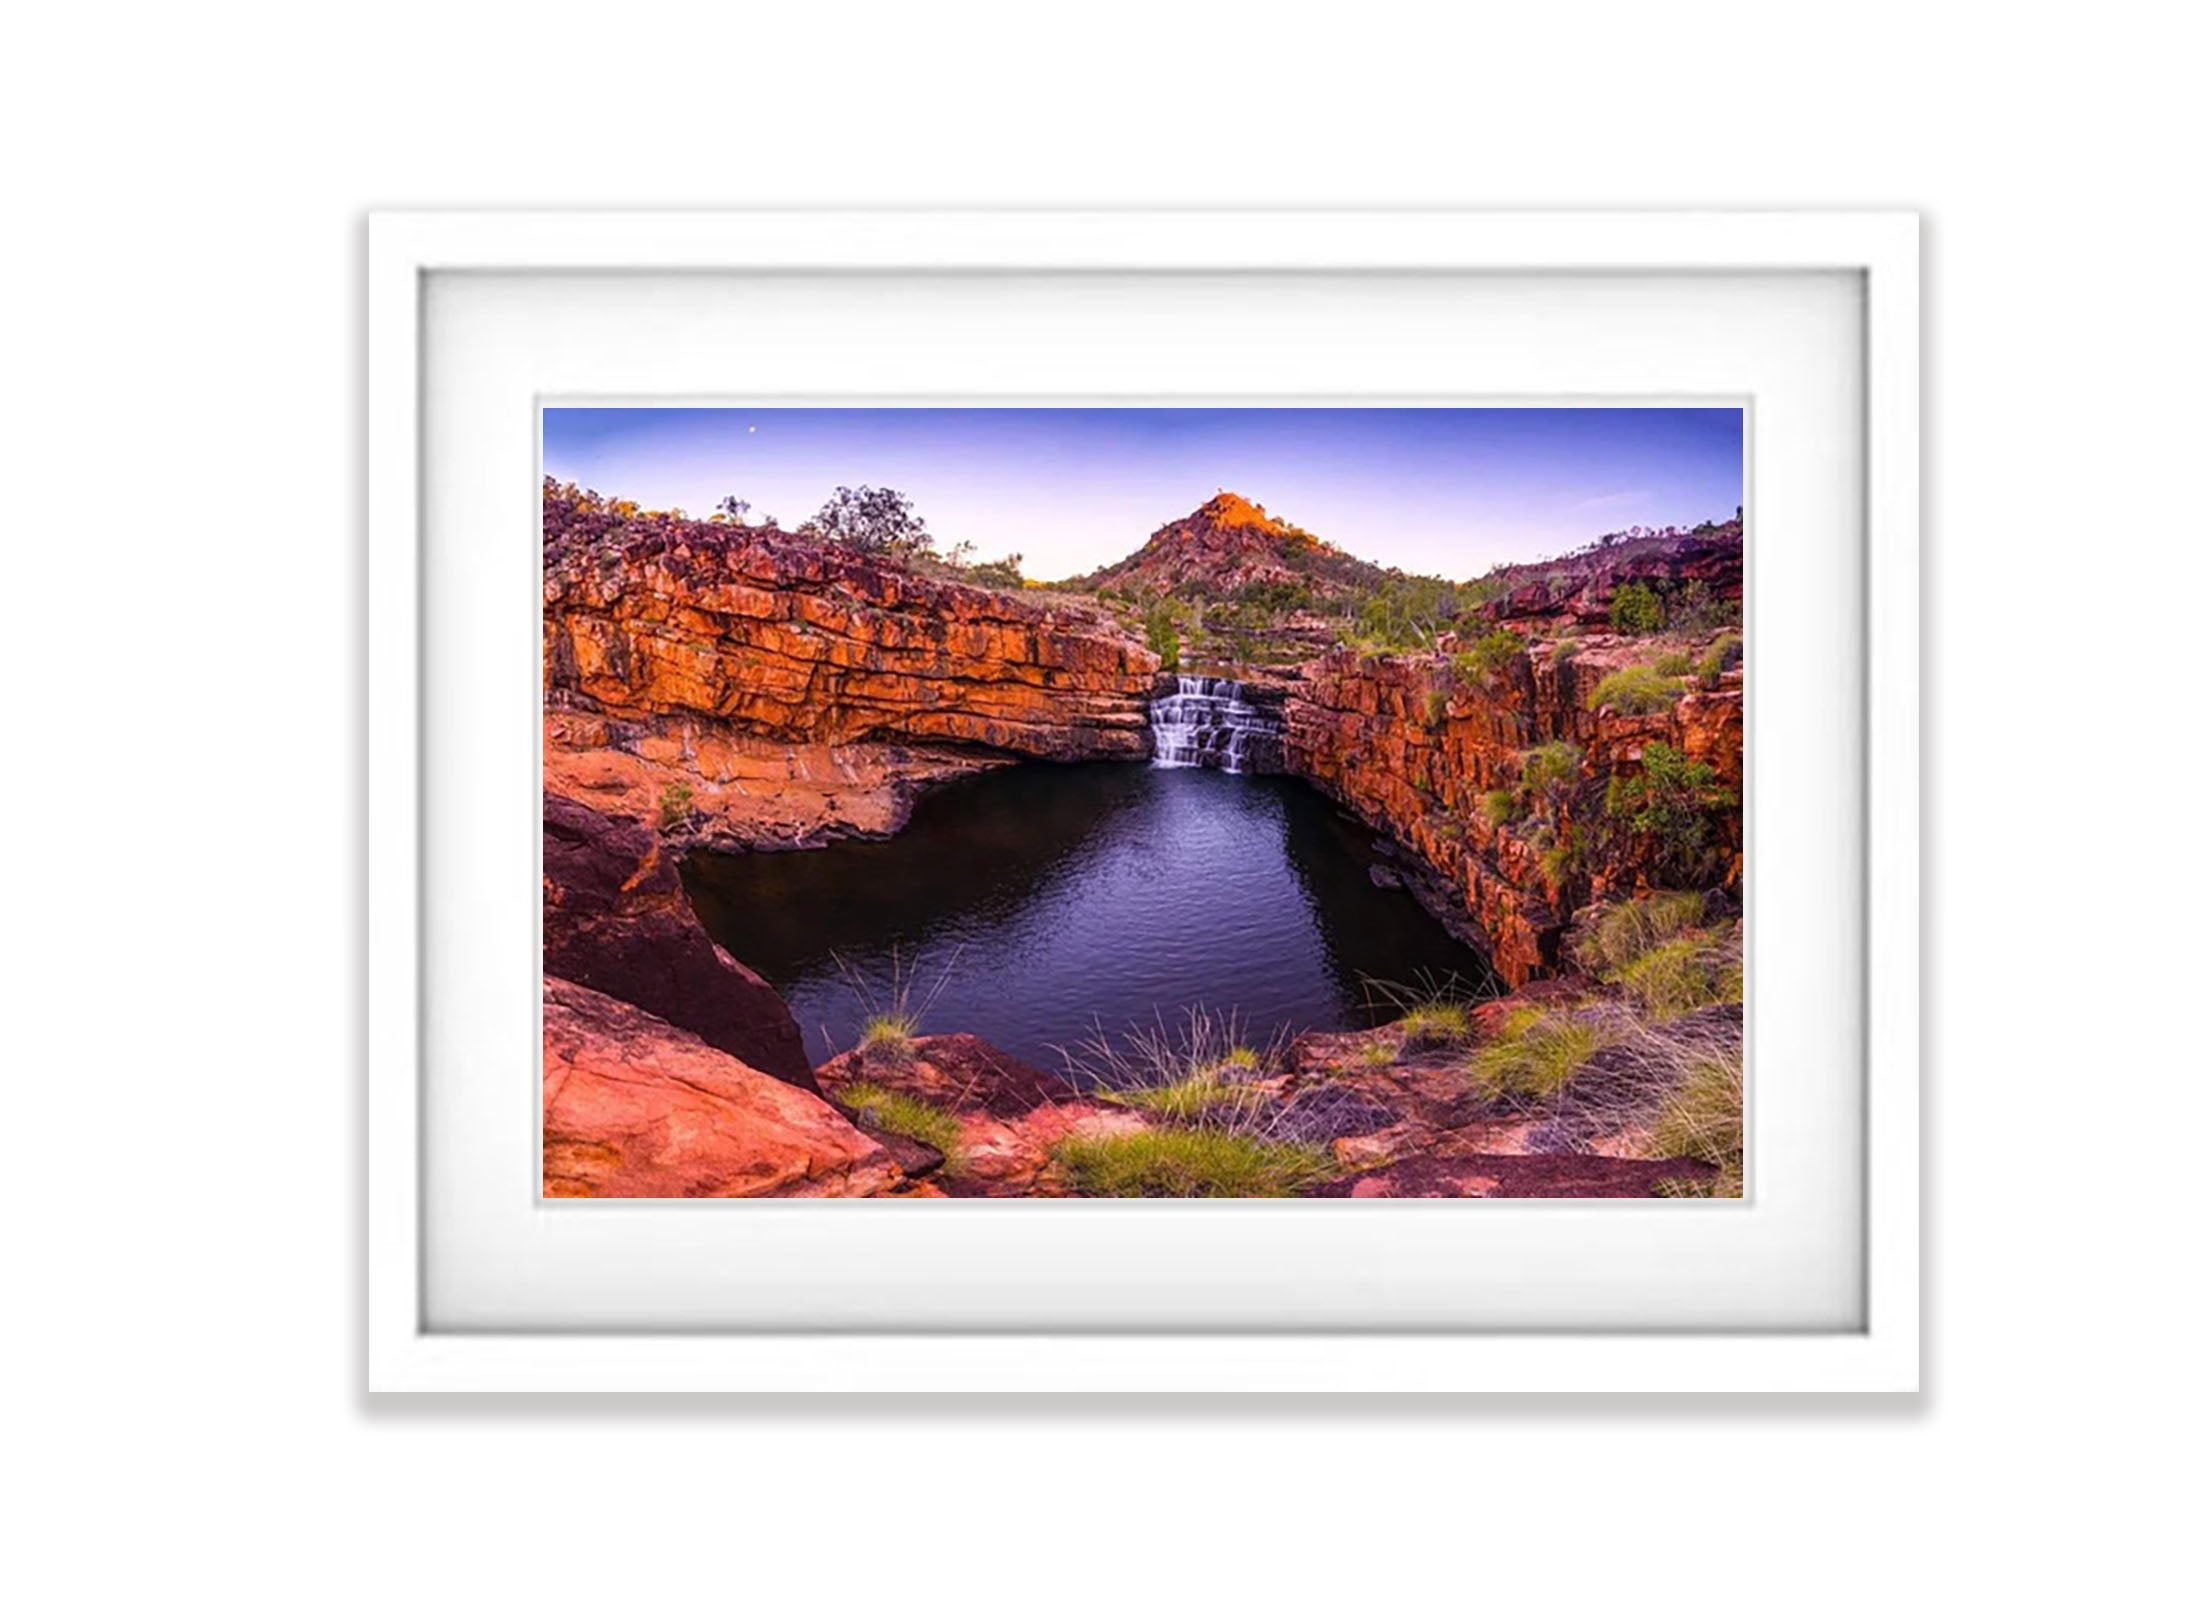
column 754, row 688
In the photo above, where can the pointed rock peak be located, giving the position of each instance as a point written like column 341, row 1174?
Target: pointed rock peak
column 1234, row 510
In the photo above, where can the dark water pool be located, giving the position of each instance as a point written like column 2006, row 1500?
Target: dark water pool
column 1037, row 903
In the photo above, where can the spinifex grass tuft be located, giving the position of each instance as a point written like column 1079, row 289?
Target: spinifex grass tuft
column 1196, row 1097
column 1536, row 1053
column 1444, row 1020
column 893, row 1020
column 1177, row 1162
column 1200, row 1071
column 1633, row 691
column 1629, row 931
column 905, row 1115
column 1436, row 1011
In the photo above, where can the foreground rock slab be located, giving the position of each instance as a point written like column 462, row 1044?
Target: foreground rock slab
column 1495, row 1177
column 634, row 1107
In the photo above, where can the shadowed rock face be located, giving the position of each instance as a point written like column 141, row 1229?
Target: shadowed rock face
column 616, row 919
column 635, row 1107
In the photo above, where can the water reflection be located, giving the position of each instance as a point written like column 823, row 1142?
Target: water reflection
column 1044, row 901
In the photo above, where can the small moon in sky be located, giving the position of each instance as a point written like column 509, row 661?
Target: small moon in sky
column 752, row 427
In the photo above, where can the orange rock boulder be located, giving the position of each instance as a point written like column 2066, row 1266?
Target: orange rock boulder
column 633, row 1107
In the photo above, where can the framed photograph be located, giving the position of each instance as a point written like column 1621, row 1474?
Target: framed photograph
column 1143, row 801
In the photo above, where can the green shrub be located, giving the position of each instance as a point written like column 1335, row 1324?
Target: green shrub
column 1161, row 619
column 675, row 805
column 1536, row 1053
column 1637, row 690
column 1695, row 608
column 1561, row 865
column 1182, row 1162
column 1549, row 770
column 1724, row 652
column 1565, row 651
column 1006, row 573
column 904, row 1115
column 1433, row 705
column 1491, row 657
column 1671, row 803
column 1676, row 664
column 1636, row 608
column 1500, row 806
column 1405, row 613
column 1378, row 1053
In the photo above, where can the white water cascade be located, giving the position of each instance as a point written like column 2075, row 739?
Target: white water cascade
column 1209, row 722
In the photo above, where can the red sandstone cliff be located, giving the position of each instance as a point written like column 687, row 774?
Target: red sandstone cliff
column 1412, row 745
column 760, row 688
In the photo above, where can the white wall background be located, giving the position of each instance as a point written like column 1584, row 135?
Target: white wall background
column 182, row 640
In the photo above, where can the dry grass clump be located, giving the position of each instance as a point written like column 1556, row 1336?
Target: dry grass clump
column 1630, row 931
column 1702, row 1118
column 1692, row 969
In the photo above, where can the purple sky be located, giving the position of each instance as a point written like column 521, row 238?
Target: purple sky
column 1448, row 491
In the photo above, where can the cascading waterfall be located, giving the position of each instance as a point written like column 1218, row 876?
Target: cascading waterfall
column 1208, row 722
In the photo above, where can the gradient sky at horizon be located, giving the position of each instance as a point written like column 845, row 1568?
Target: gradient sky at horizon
column 1449, row 491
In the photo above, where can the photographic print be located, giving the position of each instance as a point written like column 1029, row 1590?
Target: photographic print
column 1143, row 803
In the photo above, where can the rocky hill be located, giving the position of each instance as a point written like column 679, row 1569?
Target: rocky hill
column 1576, row 590
column 1228, row 545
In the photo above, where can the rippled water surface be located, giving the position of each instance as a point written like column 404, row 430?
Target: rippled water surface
column 1043, row 901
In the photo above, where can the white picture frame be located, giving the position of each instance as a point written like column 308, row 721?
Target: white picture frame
column 407, row 1352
